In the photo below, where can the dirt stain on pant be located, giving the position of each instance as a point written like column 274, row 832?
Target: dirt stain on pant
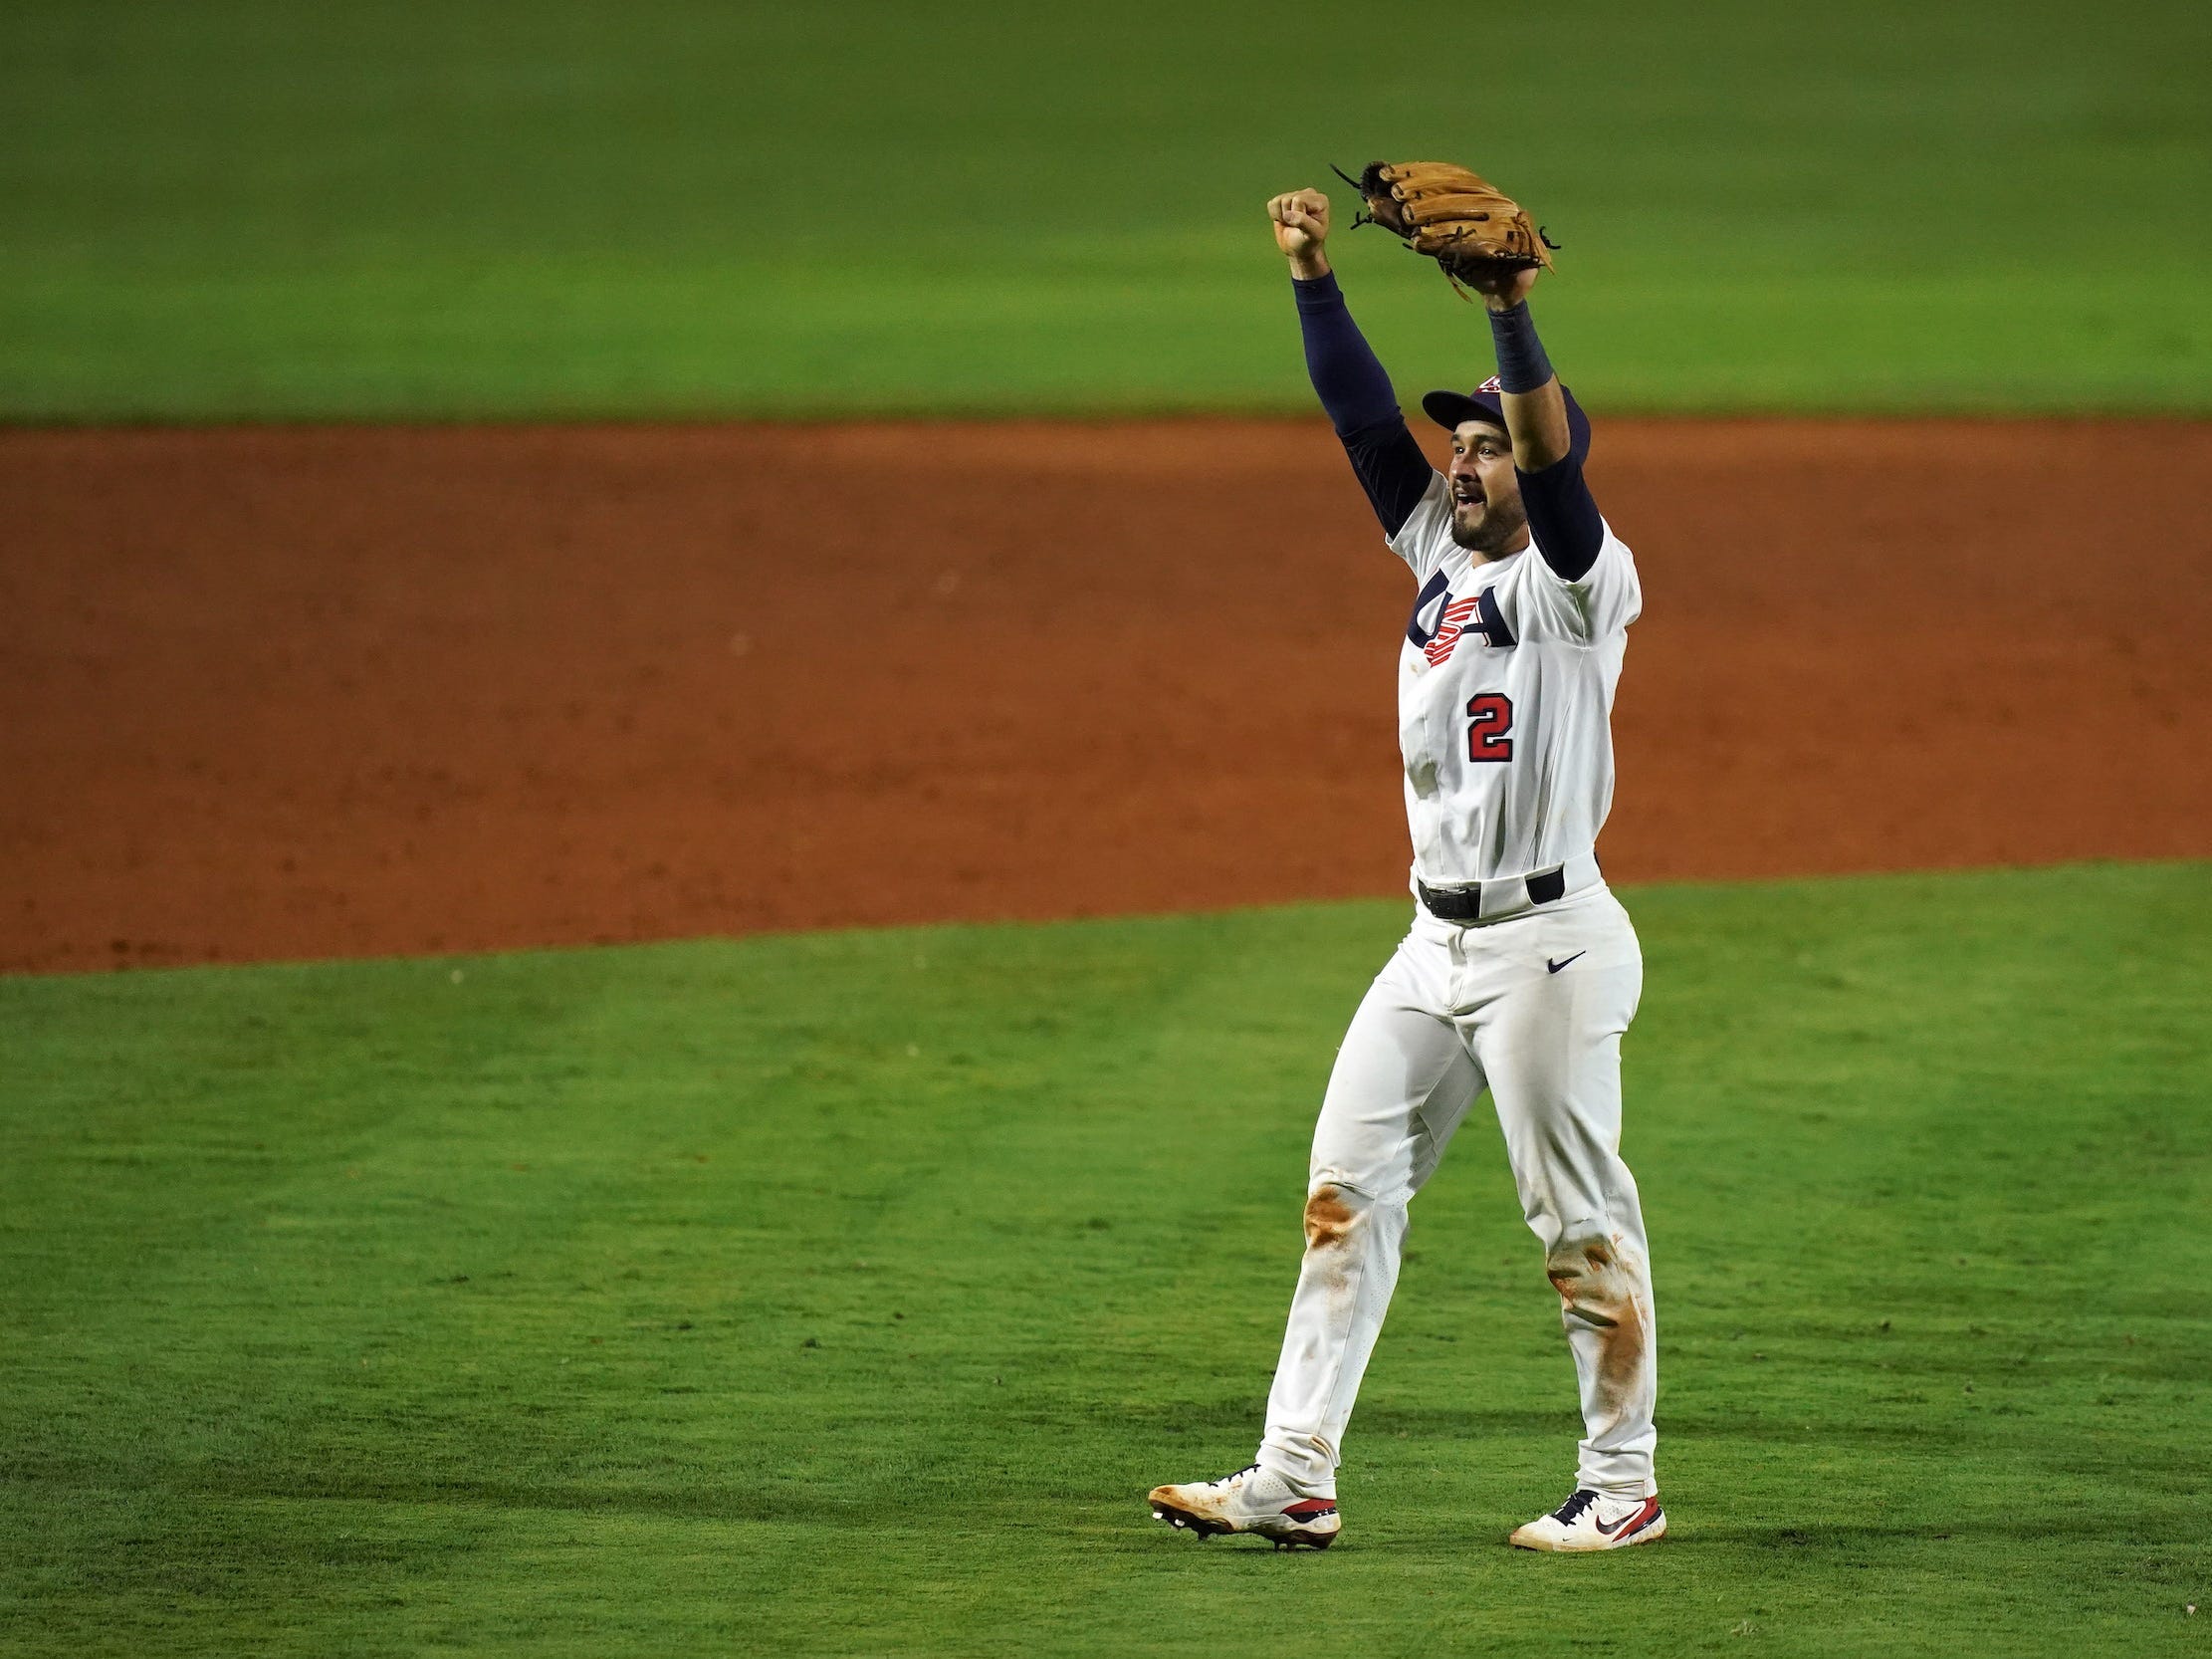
column 1329, row 1253
column 1328, row 1218
column 1598, row 1288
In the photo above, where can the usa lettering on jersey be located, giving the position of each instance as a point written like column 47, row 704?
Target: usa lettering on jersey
column 1476, row 614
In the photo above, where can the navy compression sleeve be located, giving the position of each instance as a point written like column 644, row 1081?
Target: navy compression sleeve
column 1561, row 513
column 1357, row 396
column 1563, row 517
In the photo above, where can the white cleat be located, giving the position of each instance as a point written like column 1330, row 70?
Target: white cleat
column 1252, row 1500
column 1589, row 1522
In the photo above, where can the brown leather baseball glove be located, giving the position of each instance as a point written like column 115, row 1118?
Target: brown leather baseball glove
column 1457, row 218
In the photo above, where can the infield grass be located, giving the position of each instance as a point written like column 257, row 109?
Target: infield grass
column 441, row 208
column 841, row 1293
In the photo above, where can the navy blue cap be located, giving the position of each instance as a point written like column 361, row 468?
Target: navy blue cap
column 1486, row 402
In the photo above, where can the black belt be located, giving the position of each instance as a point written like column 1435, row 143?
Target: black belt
column 1465, row 904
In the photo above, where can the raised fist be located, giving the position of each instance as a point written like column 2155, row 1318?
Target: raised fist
column 1301, row 222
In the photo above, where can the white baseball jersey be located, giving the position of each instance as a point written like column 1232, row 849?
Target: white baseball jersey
column 1504, row 701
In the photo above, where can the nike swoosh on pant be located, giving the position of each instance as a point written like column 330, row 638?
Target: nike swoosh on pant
column 1554, row 967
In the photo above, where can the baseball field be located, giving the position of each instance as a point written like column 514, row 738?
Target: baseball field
column 697, row 764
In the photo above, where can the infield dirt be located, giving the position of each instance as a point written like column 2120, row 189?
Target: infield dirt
column 301, row 692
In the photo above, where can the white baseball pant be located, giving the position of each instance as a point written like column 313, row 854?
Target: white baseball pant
column 1533, row 1007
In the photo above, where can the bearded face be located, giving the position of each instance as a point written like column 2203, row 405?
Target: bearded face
column 1486, row 514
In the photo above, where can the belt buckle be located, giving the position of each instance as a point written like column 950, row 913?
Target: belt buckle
column 1464, row 905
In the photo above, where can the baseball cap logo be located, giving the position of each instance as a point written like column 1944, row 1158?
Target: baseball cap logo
column 1491, row 384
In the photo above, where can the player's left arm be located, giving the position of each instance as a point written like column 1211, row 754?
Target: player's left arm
column 1563, row 518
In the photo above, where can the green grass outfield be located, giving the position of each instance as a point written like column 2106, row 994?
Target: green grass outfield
column 841, row 1293
column 437, row 208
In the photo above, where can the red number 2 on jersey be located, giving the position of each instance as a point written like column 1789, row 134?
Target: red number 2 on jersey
column 1490, row 723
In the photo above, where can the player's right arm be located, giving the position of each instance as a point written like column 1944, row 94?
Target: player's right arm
column 1348, row 379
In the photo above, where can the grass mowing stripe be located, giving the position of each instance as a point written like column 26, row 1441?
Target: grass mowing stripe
column 841, row 1292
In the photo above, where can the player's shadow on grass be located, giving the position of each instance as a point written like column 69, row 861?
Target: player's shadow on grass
column 1815, row 1540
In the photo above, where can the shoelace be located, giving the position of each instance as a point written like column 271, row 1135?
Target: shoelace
column 1571, row 1510
column 1237, row 1478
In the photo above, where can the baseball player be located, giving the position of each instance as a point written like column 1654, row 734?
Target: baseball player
column 1521, row 970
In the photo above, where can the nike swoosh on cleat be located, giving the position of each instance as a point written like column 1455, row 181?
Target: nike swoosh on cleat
column 1642, row 1512
column 1554, row 967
